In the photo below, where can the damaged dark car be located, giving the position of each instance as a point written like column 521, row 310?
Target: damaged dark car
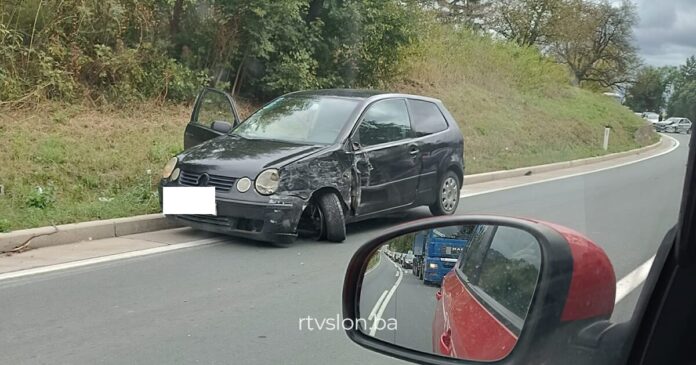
column 309, row 162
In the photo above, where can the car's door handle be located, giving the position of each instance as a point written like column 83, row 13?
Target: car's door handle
column 438, row 295
column 446, row 342
column 414, row 150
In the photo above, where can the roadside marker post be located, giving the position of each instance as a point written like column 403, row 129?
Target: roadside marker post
column 605, row 145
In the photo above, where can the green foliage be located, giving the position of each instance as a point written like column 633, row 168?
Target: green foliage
column 126, row 50
column 4, row 225
column 41, row 198
column 402, row 243
column 646, row 94
column 683, row 101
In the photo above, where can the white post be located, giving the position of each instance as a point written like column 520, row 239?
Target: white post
column 605, row 145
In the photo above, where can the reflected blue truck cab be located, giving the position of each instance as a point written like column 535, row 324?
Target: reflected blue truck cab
column 436, row 251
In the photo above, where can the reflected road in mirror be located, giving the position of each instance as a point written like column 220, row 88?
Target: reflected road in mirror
column 457, row 291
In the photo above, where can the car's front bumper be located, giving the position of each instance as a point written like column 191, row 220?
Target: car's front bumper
column 273, row 220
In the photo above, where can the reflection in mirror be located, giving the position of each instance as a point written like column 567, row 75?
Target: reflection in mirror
column 457, row 291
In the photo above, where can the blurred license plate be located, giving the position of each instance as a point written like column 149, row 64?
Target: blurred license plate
column 189, row 200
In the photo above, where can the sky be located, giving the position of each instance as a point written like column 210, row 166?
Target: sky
column 666, row 32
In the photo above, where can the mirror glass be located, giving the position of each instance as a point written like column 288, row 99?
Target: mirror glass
column 456, row 291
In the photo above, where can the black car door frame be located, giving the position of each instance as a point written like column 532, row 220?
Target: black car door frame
column 197, row 133
column 662, row 328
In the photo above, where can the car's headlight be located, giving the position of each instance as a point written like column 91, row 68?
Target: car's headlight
column 175, row 174
column 243, row 184
column 267, row 182
column 169, row 168
column 432, row 265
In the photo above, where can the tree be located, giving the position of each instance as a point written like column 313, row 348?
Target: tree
column 683, row 101
column 595, row 41
column 647, row 93
column 527, row 22
column 468, row 12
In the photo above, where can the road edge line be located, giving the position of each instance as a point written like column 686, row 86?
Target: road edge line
column 108, row 258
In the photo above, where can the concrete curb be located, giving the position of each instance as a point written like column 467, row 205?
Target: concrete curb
column 85, row 231
column 505, row 174
column 95, row 230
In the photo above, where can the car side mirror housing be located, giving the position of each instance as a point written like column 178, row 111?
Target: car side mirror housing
column 221, row 126
column 478, row 288
column 356, row 145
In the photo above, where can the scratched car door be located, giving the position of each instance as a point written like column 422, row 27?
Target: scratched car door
column 388, row 171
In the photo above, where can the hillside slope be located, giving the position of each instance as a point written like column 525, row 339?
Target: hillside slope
column 69, row 163
column 514, row 107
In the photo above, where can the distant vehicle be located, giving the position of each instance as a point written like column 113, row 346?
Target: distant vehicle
column 407, row 262
column 439, row 249
column 651, row 117
column 678, row 125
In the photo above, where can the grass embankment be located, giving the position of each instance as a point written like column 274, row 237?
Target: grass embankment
column 374, row 261
column 514, row 108
column 65, row 163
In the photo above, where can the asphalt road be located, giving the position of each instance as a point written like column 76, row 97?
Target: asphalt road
column 410, row 307
column 242, row 302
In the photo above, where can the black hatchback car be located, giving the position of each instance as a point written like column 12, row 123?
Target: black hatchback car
column 309, row 162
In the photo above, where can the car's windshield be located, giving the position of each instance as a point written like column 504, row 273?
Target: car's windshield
column 299, row 119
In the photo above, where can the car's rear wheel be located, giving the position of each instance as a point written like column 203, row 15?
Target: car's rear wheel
column 447, row 195
column 323, row 219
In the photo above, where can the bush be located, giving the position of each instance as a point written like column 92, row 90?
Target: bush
column 4, row 225
column 41, row 198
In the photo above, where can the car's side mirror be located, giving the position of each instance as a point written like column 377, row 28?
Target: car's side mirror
column 221, row 126
column 355, row 145
column 478, row 288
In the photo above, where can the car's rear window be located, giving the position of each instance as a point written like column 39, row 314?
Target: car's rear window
column 426, row 118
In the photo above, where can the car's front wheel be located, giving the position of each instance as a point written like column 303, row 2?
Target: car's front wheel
column 323, row 219
column 447, row 195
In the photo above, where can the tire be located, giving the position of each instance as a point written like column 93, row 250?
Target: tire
column 334, row 221
column 447, row 195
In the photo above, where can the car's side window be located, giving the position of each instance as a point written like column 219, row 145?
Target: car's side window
column 426, row 118
column 471, row 258
column 384, row 121
column 213, row 106
column 510, row 270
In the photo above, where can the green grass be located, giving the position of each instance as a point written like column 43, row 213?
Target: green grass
column 66, row 163
column 514, row 108
column 374, row 261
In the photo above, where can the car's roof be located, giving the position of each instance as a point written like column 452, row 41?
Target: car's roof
column 356, row 94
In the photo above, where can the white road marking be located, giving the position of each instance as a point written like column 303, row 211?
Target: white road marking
column 378, row 316
column 633, row 280
column 377, row 305
column 675, row 145
column 99, row 260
